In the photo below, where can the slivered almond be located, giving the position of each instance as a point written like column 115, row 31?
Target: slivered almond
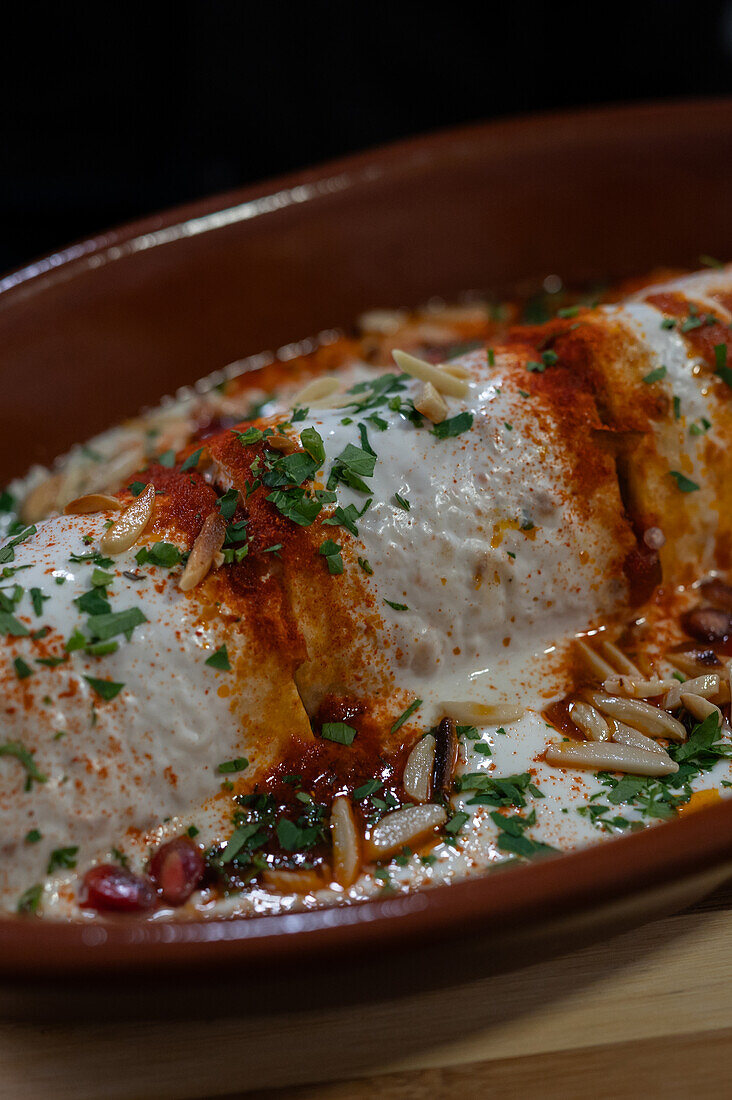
column 699, row 707
column 346, row 842
column 205, row 549
column 130, row 525
column 318, row 387
column 695, row 662
column 593, row 661
column 282, row 443
column 617, row 658
column 482, row 714
column 637, row 689
column 456, row 370
column 417, row 779
column 709, row 684
column 590, row 721
column 431, row 404
column 93, row 502
column 293, row 882
column 640, row 715
column 626, row 735
column 411, row 825
column 428, row 372
column 607, row 756
column 41, row 500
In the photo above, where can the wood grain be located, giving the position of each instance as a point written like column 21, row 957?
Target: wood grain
column 630, row 1005
column 668, row 1067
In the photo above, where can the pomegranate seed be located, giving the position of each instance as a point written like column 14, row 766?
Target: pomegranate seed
column 177, row 868
column 718, row 594
column 708, row 624
column 114, row 888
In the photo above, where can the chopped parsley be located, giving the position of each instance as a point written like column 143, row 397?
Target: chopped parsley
column 136, row 488
column 62, row 858
column 720, row 360
column 296, row 505
column 22, row 670
column 491, row 791
column 38, row 599
column 30, row 900
column 683, row 483
column 397, row 606
column 454, row 425
column 105, row 689
column 655, row 375
column 164, row 554
column 456, row 822
column 227, row 767
column 331, row 551
column 512, row 837
column 24, row 757
column 340, row 732
column 402, row 502
column 191, row 462
column 8, row 551
column 406, row 714
column 227, row 503
column 105, row 626
column 249, row 436
column 366, row 566
column 10, row 625
column 313, row 443
column 219, row 659
column 371, row 786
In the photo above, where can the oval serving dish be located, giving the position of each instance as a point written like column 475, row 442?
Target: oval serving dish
column 109, row 324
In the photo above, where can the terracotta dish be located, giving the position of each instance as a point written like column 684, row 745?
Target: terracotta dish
column 110, row 324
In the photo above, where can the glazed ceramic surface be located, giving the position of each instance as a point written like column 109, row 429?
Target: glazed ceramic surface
column 92, row 333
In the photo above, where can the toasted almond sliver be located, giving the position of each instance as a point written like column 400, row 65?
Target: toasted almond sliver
column 593, row 661
column 706, row 685
column 282, row 443
column 456, row 370
column 417, row 779
column 41, row 500
column 607, row 756
column 93, row 502
column 428, row 372
column 590, row 721
column 641, row 716
column 410, row 825
column 431, row 404
column 315, row 389
column 482, row 714
column 626, row 735
column 690, row 665
column 346, row 842
column 293, row 882
column 130, row 525
column 637, row 689
column 699, row 707
column 617, row 658
column 205, row 548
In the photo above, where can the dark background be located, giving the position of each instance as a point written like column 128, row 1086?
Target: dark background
column 114, row 111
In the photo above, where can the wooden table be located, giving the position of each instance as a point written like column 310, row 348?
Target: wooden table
column 648, row 1013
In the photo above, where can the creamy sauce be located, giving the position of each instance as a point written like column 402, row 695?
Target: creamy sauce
column 486, row 553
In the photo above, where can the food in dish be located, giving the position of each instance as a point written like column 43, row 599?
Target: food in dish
column 394, row 611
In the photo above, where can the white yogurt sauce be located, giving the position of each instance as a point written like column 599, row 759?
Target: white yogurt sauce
column 499, row 566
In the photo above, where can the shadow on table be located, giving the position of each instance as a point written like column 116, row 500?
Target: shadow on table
column 338, row 1023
